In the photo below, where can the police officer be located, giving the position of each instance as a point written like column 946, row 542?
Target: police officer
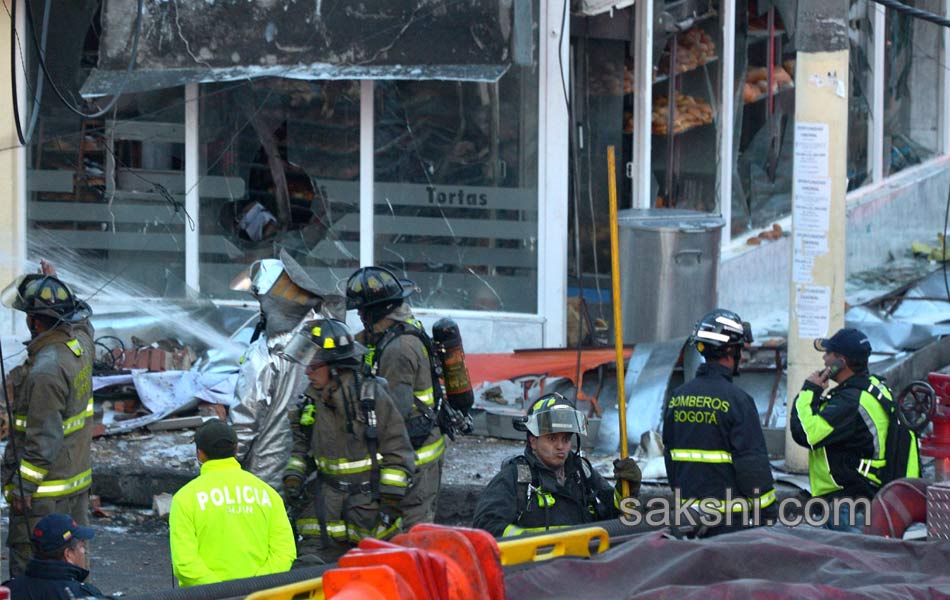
column 846, row 429
column 226, row 523
column 714, row 447
column 59, row 567
column 47, row 467
column 267, row 383
column 551, row 485
column 397, row 353
column 348, row 431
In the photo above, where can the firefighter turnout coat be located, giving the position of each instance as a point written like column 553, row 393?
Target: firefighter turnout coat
column 402, row 360
column 526, row 497
column 335, row 444
column 52, row 416
column 714, row 446
column 845, row 431
column 227, row 524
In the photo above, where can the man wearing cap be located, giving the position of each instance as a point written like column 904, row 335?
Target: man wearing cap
column 226, row 523
column 47, row 464
column 844, row 428
column 58, row 567
column 550, row 485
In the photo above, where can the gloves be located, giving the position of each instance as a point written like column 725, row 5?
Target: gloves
column 389, row 518
column 293, row 486
column 627, row 470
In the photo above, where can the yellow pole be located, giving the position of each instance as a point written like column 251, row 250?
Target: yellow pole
column 618, row 319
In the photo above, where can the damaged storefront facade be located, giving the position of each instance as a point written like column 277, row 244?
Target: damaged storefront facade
column 434, row 138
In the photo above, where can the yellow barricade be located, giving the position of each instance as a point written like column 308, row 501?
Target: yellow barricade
column 311, row 589
column 575, row 542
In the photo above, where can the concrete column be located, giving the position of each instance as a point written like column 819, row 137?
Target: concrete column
column 816, row 306
column 12, row 174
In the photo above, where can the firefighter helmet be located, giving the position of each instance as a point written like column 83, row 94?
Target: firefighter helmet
column 326, row 340
column 375, row 288
column 280, row 278
column 719, row 330
column 552, row 413
column 44, row 295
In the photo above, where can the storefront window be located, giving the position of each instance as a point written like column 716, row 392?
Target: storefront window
column 686, row 93
column 456, row 199
column 105, row 195
column 762, row 181
column 911, row 63
column 860, row 94
column 280, row 172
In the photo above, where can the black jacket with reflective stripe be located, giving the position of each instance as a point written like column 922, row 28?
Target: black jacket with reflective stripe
column 712, row 428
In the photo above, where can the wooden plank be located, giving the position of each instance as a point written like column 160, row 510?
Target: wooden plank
column 151, row 131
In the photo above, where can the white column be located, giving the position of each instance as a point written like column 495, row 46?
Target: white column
column 727, row 115
column 193, row 193
column 553, row 128
column 642, row 105
column 943, row 120
column 367, row 173
column 876, row 123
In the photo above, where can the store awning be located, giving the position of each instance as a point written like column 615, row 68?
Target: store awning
column 190, row 41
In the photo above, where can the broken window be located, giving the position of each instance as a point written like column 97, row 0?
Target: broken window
column 456, row 197
column 281, row 171
column 911, row 63
column 860, row 92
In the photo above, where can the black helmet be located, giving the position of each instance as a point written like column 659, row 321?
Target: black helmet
column 44, row 295
column 326, row 340
column 719, row 330
column 377, row 288
column 552, row 413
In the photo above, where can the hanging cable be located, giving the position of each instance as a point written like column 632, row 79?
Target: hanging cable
column 13, row 86
column 125, row 80
column 35, row 113
column 915, row 12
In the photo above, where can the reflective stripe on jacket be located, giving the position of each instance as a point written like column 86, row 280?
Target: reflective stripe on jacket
column 845, row 431
column 227, row 524
column 714, row 444
column 53, row 408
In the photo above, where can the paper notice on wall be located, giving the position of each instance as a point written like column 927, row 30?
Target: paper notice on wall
column 812, row 203
column 811, row 150
column 813, row 307
column 802, row 268
column 810, row 243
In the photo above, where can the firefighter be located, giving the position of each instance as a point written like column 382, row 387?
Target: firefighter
column 47, row 467
column 226, row 523
column 846, row 430
column 397, row 352
column 551, row 485
column 348, row 431
column 267, row 383
column 714, row 447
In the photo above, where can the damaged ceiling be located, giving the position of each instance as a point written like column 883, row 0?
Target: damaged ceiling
column 185, row 41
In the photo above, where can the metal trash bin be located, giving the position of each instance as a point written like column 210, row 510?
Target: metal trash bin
column 669, row 269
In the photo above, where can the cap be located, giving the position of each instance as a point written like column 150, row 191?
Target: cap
column 216, row 439
column 848, row 342
column 56, row 530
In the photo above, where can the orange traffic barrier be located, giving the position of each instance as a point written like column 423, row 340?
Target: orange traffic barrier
column 486, row 549
column 378, row 582
column 430, row 562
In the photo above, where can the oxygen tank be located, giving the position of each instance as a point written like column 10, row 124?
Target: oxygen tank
column 458, row 386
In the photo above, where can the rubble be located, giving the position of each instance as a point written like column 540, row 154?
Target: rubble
column 162, row 504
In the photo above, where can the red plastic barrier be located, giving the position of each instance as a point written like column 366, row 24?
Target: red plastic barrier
column 897, row 506
column 486, row 549
column 377, row 582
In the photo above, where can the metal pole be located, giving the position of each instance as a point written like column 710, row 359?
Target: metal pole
column 618, row 319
